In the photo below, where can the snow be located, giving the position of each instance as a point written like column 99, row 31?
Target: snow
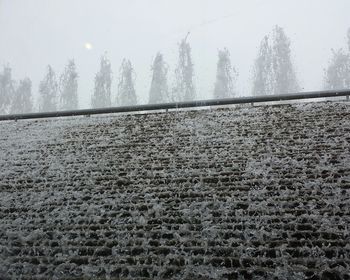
column 146, row 193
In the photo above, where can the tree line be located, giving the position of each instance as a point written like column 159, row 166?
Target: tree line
column 273, row 73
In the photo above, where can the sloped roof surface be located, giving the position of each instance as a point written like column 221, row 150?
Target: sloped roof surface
column 211, row 194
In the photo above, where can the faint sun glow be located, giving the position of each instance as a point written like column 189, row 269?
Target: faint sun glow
column 88, row 46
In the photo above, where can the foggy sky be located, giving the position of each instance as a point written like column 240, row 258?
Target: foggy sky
column 35, row 33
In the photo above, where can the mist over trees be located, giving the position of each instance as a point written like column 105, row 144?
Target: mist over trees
column 22, row 100
column 159, row 92
column 103, row 82
column 184, row 89
column 69, row 87
column 226, row 76
column 273, row 71
column 48, row 92
column 262, row 72
column 337, row 75
column 285, row 75
column 6, row 90
column 126, row 95
column 283, row 68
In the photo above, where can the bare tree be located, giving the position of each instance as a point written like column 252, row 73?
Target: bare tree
column 103, row 81
column 22, row 100
column 6, row 90
column 283, row 70
column 262, row 72
column 349, row 39
column 226, row 76
column 69, row 87
column 273, row 71
column 159, row 85
column 337, row 75
column 48, row 92
column 126, row 90
column 184, row 89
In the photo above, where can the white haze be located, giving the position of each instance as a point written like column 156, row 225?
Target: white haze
column 39, row 32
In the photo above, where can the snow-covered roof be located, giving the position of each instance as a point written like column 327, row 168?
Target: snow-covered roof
column 209, row 194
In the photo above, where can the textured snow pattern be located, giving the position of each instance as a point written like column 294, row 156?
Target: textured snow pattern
column 232, row 193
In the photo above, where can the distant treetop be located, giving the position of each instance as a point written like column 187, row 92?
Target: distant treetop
column 48, row 92
column 103, row 82
column 159, row 85
column 226, row 76
column 274, row 72
column 126, row 89
column 184, row 89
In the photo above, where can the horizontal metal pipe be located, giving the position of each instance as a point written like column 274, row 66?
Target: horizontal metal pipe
column 178, row 105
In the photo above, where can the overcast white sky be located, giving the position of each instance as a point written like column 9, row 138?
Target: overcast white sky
column 35, row 33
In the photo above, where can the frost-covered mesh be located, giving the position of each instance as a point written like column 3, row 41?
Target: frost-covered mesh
column 235, row 193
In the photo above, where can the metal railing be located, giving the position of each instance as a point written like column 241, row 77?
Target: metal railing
column 178, row 105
